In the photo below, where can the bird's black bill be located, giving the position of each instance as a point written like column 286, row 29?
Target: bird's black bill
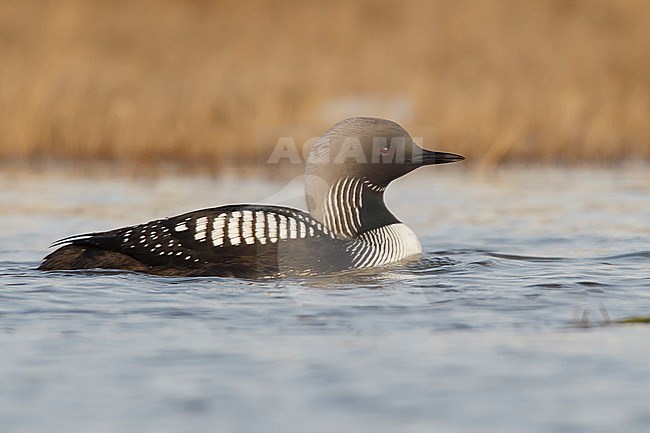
column 430, row 157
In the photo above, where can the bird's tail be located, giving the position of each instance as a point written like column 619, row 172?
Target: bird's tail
column 70, row 257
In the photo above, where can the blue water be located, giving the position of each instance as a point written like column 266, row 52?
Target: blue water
column 501, row 327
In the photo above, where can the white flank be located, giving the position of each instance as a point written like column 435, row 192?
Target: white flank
column 361, row 260
column 393, row 241
column 385, row 245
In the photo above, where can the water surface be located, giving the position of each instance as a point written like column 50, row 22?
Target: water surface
column 500, row 327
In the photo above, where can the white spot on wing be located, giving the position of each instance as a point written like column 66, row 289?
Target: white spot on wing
column 247, row 227
column 273, row 227
column 293, row 228
column 233, row 228
column 282, row 227
column 260, row 225
column 201, row 229
column 218, row 226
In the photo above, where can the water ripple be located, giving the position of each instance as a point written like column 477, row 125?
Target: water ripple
column 496, row 322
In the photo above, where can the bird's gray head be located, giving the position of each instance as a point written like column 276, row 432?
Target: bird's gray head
column 369, row 150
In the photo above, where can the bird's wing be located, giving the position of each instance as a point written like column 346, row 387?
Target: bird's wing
column 238, row 240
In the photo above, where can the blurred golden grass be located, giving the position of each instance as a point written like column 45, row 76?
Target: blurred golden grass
column 205, row 83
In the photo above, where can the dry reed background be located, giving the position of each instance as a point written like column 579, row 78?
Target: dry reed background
column 206, row 83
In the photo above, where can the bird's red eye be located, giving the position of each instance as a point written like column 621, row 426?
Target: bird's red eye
column 384, row 150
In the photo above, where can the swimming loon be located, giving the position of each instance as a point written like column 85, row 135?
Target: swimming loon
column 348, row 225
